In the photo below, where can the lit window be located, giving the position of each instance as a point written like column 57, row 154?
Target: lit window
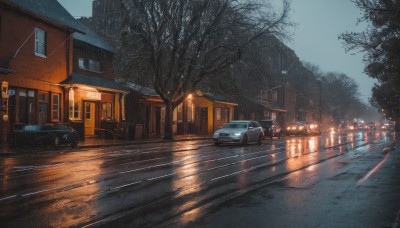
column 106, row 111
column 40, row 42
column 78, row 110
column 55, row 111
column 217, row 113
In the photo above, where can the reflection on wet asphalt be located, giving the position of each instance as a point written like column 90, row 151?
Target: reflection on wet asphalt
column 149, row 185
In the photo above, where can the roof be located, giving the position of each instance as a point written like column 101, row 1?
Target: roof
column 48, row 9
column 269, row 105
column 97, row 82
column 145, row 91
column 218, row 98
column 93, row 39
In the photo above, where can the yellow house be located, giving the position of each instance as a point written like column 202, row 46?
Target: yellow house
column 202, row 113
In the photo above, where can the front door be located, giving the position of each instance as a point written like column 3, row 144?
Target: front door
column 89, row 118
column 204, row 121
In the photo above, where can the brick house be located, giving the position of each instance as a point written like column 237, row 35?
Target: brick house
column 35, row 56
column 94, row 100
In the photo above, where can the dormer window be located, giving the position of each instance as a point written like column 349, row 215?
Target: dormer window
column 40, row 42
column 89, row 64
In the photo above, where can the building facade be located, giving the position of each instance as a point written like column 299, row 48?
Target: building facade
column 94, row 100
column 36, row 52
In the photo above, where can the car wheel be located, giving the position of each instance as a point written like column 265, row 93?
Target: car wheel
column 56, row 142
column 245, row 140
column 74, row 144
column 260, row 139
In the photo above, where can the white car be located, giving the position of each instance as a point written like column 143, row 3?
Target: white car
column 239, row 131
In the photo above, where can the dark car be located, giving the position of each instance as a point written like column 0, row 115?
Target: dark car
column 43, row 135
column 271, row 128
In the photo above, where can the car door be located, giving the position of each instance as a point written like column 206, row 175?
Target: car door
column 253, row 136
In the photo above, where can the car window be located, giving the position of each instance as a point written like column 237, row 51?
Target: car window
column 236, row 125
column 32, row 128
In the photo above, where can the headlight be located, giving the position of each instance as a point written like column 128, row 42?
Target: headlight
column 236, row 134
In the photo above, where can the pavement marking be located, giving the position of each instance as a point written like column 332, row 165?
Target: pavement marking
column 155, row 178
column 126, row 185
column 362, row 180
column 8, row 197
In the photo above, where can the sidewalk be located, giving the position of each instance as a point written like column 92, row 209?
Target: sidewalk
column 99, row 142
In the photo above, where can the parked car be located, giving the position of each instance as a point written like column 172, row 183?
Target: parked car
column 48, row 135
column 239, row 131
column 271, row 128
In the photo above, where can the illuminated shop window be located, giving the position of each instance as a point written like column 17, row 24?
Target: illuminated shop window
column 106, row 111
column 217, row 113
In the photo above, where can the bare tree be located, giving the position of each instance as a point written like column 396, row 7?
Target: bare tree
column 174, row 45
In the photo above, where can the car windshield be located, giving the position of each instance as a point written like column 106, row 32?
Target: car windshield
column 236, row 125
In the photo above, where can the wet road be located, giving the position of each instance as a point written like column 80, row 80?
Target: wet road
column 172, row 184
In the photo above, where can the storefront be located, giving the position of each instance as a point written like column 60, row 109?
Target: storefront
column 95, row 105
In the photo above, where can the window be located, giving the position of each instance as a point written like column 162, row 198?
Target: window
column 88, row 64
column 77, row 111
column 81, row 63
column 217, row 113
column 43, row 99
column 106, row 111
column 225, row 115
column 94, row 65
column 55, row 110
column 87, row 111
column 180, row 113
column 40, row 42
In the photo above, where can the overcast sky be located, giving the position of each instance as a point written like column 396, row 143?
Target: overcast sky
column 319, row 22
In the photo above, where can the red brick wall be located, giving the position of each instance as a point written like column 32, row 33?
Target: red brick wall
column 32, row 71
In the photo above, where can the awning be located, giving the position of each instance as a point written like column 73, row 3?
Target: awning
column 97, row 82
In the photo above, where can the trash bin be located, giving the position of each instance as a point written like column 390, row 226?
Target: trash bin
column 138, row 131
